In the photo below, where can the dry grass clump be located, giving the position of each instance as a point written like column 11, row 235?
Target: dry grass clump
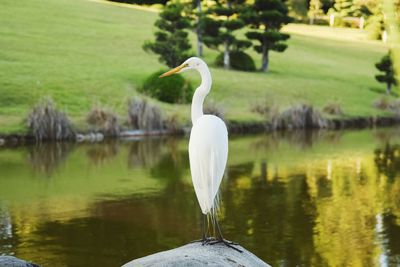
column 395, row 106
column 300, row 116
column 103, row 120
column 48, row 123
column 172, row 124
column 333, row 108
column 213, row 108
column 144, row 116
column 382, row 103
column 262, row 109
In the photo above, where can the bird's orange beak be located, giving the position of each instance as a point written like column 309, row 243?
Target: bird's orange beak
column 173, row 71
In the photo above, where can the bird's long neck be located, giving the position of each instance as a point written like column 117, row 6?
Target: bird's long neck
column 201, row 93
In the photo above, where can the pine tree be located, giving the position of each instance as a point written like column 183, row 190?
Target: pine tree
column 388, row 76
column 315, row 10
column 194, row 12
column 172, row 42
column 346, row 8
column 298, row 9
column 220, row 25
column 267, row 17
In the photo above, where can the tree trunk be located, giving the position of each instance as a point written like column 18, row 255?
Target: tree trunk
column 227, row 60
column 198, row 31
column 388, row 88
column 265, row 58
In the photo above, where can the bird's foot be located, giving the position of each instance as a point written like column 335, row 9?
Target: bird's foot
column 204, row 240
column 226, row 243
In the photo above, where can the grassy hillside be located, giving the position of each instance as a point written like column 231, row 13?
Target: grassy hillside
column 82, row 52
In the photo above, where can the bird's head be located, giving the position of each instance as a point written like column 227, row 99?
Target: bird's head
column 190, row 63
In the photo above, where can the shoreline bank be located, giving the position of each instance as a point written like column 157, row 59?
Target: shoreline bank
column 234, row 128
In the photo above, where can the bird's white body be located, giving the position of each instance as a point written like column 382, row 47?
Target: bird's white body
column 208, row 153
column 208, row 144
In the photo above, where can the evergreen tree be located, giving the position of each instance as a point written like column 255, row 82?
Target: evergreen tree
column 388, row 76
column 346, row 8
column 315, row 10
column 220, row 25
column 298, row 9
column 194, row 11
column 375, row 19
column 267, row 17
column 199, row 32
column 172, row 43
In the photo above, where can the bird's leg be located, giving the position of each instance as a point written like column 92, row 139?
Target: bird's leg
column 204, row 229
column 220, row 238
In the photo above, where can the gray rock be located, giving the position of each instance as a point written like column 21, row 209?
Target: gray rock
column 10, row 261
column 195, row 254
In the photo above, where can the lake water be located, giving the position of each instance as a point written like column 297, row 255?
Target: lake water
column 293, row 199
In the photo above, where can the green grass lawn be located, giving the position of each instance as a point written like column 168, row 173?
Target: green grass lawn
column 82, row 53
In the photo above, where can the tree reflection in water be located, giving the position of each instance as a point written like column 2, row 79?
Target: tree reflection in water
column 387, row 160
column 294, row 199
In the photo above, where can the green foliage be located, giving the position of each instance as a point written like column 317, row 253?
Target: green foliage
column 298, row 9
column 239, row 61
column 171, row 89
column 172, row 42
column 375, row 19
column 375, row 26
column 369, row 10
column 385, row 65
column 303, row 71
column 219, row 27
column 315, row 10
column 344, row 8
column 269, row 16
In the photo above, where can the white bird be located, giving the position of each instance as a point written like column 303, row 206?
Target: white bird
column 208, row 149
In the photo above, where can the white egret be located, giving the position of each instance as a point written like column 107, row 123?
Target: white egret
column 208, row 150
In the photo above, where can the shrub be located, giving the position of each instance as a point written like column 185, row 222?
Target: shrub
column 239, row 61
column 333, row 108
column 144, row 116
column 48, row 123
column 104, row 121
column 172, row 89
